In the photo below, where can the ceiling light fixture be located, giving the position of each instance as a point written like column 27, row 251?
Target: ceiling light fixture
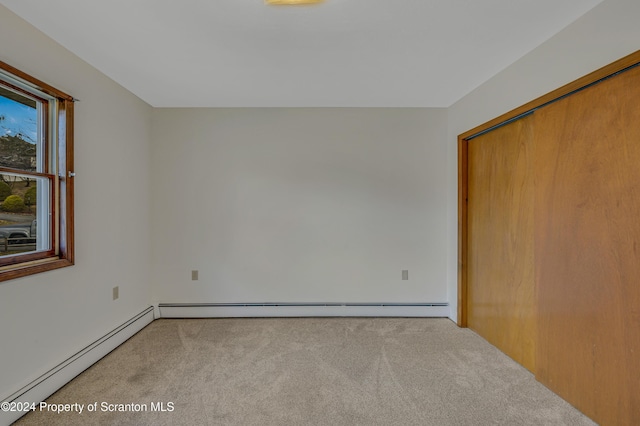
column 291, row 2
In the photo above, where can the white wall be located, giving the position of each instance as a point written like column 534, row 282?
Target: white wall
column 299, row 205
column 608, row 32
column 47, row 317
column 270, row 205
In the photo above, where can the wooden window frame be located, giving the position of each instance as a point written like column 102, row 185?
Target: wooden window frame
column 61, row 253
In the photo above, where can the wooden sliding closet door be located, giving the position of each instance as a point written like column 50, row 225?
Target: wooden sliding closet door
column 588, row 248
column 500, row 282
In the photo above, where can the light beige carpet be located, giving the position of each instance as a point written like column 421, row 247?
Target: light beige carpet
column 309, row 371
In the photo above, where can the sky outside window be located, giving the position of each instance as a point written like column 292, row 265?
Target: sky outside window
column 18, row 118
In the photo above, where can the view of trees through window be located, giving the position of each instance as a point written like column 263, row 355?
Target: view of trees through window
column 19, row 135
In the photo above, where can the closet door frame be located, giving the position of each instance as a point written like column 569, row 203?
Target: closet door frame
column 463, row 165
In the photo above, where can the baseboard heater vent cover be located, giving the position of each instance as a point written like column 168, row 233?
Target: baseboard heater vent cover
column 52, row 380
column 231, row 310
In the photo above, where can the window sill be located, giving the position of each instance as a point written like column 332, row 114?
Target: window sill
column 35, row 267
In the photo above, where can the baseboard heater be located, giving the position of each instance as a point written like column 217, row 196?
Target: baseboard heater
column 49, row 382
column 243, row 310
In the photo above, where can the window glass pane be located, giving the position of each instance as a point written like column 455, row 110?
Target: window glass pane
column 24, row 214
column 19, row 131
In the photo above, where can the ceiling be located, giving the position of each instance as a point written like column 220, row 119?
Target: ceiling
column 342, row 53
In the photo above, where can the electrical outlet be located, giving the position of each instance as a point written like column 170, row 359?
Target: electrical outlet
column 405, row 274
column 116, row 292
column 194, row 275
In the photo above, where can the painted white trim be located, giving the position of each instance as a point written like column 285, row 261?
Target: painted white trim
column 45, row 385
column 239, row 310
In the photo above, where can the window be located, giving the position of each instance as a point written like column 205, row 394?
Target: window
column 36, row 178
